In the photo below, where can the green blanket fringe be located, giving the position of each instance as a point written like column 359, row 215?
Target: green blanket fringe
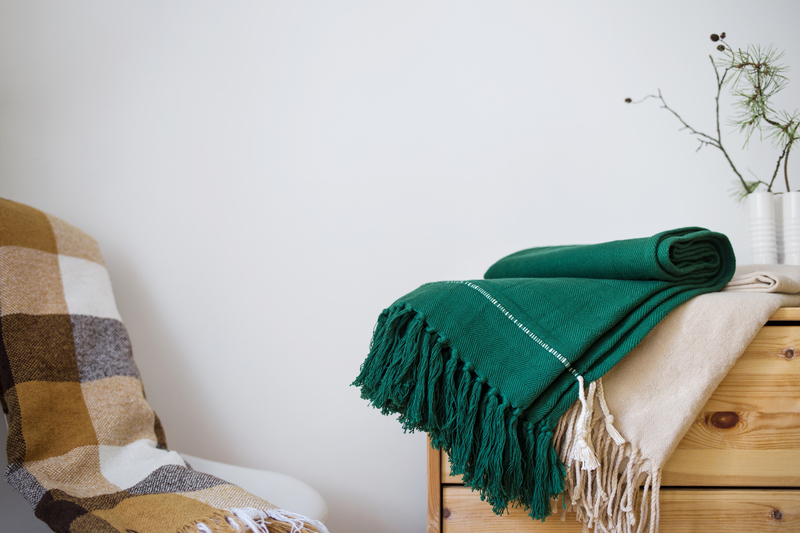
column 413, row 371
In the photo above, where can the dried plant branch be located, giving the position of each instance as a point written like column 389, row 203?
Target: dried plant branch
column 778, row 167
column 754, row 76
column 705, row 139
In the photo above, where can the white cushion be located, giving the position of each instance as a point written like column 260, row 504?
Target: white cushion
column 284, row 491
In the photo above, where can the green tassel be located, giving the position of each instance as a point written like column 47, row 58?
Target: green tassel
column 398, row 380
column 554, row 476
column 374, row 377
column 485, row 437
column 478, row 400
column 529, row 466
column 497, row 457
column 451, row 377
column 374, row 365
column 512, row 458
column 540, row 506
column 379, row 331
column 497, row 490
column 459, row 453
column 450, row 386
column 488, row 468
column 408, row 349
column 462, row 401
column 436, row 386
column 464, row 446
column 415, row 416
column 558, row 472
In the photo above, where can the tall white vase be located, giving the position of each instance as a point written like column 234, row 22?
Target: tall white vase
column 763, row 243
column 779, row 241
column 791, row 228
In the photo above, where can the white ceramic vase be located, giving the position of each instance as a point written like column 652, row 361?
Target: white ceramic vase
column 778, row 197
column 763, row 242
column 791, row 228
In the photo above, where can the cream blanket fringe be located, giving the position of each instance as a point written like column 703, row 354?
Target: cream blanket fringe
column 612, row 482
column 605, row 493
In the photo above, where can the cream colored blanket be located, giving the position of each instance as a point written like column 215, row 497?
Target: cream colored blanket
column 655, row 393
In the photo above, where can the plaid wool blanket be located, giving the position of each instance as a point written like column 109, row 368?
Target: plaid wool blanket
column 84, row 447
column 488, row 367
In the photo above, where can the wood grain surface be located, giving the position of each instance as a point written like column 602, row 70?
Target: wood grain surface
column 786, row 313
column 434, row 490
column 748, row 433
column 682, row 511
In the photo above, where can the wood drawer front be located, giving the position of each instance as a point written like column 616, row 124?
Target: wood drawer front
column 682, row 511
column 748, row 434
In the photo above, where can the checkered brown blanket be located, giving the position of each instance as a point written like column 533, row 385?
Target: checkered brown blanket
column 84, row 447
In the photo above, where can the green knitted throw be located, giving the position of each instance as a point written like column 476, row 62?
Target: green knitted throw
column 487, row 367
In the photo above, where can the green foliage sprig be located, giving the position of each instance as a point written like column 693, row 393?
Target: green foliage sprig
column 754, row 77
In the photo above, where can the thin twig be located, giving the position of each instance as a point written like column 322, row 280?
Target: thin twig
column 720, row 83
column 642, row 100
column 705, row 139
column 777, row 167
column 711, row 140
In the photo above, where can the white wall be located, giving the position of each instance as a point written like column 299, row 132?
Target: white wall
column 265, row 177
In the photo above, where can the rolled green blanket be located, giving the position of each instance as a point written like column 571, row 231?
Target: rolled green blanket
column 487, row 367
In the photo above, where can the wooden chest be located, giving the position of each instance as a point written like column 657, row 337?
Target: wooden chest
column 737, row 470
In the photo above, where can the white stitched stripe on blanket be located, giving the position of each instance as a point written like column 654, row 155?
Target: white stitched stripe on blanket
column 520, row 325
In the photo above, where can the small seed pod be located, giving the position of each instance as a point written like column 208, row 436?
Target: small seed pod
column 722, row 35
column 628, row 100
column 721, row 48
column 714, row 37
